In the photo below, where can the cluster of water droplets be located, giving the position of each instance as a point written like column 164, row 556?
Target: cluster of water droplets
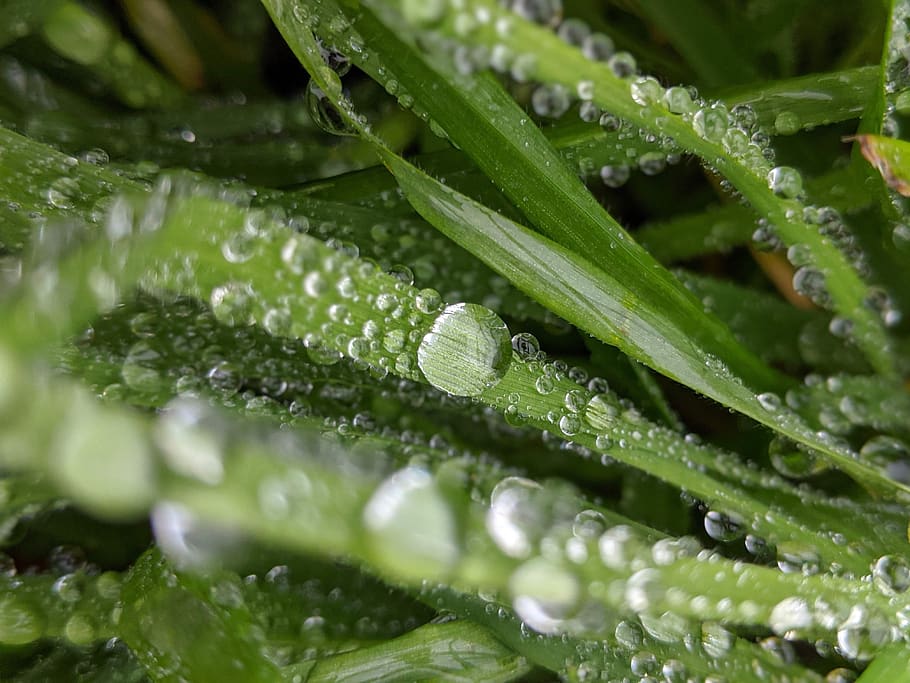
column 736, row 131
column 73, row 600
column 349, row 48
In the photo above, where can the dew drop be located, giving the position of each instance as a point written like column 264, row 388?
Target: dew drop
column 615, row 176
column 598, row 47
column 551, row 101
column 324, row 113
column 646, row 91
column 20, row 623
column 891, row 574
column 785, row 181
column 467, row 350
column 722, row 527
column 711, row 123
column 526, row 346
column 513, row 520
column 679, row 101
column 412, row 528
column 786, row 123
column 423, row 12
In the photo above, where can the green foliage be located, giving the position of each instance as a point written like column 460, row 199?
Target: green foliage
column 439, row 340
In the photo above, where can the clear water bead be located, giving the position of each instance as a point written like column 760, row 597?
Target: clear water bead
column 785, row 181
column 467, row 350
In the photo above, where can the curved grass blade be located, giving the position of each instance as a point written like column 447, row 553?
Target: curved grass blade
column 633, row 321
column 734, row 156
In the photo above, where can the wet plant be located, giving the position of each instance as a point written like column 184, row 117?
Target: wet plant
column 454, row 339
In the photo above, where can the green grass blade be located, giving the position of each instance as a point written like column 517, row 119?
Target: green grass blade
column 93, row 42
column 805, row 102
column 743, row 165
column 597, row 303
column 893, row 664
column 697, row 33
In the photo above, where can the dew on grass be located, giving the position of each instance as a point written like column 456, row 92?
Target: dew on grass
column 412, row 529
column 467, row 350
column 785, row 181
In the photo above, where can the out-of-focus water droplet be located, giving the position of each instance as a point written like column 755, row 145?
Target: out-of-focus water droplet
column 544, row 594
column 785, row 181
column 786, row 123
column 891, row 574
column 512, row 518
column 615, row 176
column 412, row 528
column 20, row 621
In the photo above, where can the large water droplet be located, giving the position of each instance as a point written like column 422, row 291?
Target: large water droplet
column 513, row 520
column 467, row 350
column 545, row 594
column 324, row 113
column 20, row 623
column 412, row 528
column 891, row 574
column 785, row 181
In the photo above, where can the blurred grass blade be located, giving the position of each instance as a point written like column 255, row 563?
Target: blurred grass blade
column 890, row 666
column 694, row 29
column 890, row 157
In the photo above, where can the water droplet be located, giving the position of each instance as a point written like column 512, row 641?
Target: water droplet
column 20, row 622
column 412, row 528
column 792, row 461
column 551, row 101
column 863, row 634
column 652, row 163
column 573, row 31
column 610, row 122
column 790, row 614
column 769, row 401
column 546, row 12
column 615, row 176
column 786, row 123
column 526, row 346
column 104, row 461
column 545, row 594
column 841, row 675
column 629, row 635
column 891, row 574
column 232, row 304
column 722, row 527
column 598, row 47
column 644, row 663
column 467, row 350
column 900, row 236
column 711, row 123
column 239, row 247
column 427, row 301
column 423, row 12
column 589, row 112
column 785, row 181
column 679, row 101
column 324, row 113
column 622, row 64
column 513, row 519
column 569, row 425
column 646, row 91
